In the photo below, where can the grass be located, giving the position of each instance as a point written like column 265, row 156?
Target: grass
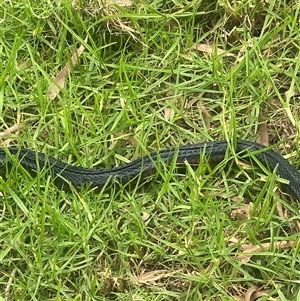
column 142, row 85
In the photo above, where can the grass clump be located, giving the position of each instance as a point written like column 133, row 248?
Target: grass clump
column 152, row 75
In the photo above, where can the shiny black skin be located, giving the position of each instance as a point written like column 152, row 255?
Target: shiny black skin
column 213, row 151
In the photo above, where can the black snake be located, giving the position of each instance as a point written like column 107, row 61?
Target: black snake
column 214, row 151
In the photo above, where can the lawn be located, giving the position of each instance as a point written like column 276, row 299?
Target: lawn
column 100, row 84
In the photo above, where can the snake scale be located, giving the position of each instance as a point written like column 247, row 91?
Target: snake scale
column 213, row 151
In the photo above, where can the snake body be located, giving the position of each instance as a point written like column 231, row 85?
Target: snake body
column 214, row 152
